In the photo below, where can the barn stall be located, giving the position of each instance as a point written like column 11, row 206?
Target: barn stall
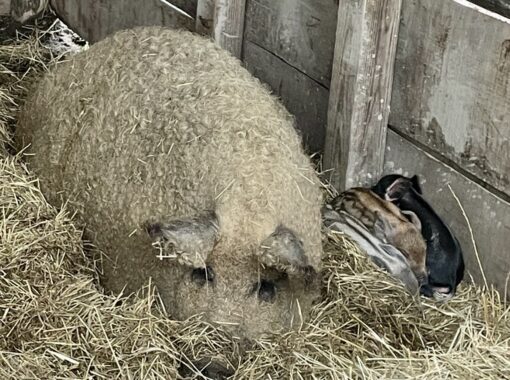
column 376, row 87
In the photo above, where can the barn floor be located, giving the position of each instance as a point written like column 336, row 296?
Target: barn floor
column 55, row 322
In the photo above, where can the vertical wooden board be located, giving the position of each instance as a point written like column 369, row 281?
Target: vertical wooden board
column 205, row 17
column 301, row 32
column 452, row 85
column 95, row 19
column 488, row 214
column 303, row 97
column 229, row 25
column 360, row 90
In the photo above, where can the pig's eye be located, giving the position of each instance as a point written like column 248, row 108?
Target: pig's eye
column 266, row 290
column 201, row 276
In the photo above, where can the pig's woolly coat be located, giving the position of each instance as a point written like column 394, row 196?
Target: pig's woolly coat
column 152, row 123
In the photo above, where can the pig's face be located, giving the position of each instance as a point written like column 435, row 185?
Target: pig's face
column 248, row 290
column 415, row 252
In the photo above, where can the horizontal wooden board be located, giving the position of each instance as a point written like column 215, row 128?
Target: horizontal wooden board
column 301, row 32
column 452, row 85
column 95, row 19
column 303, row 97
column 488, row 214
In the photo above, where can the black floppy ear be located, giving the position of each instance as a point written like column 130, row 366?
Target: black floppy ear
column 284, row 251
column 416, row 184
column 187, row 240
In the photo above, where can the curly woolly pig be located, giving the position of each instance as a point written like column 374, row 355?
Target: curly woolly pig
column 159, row 138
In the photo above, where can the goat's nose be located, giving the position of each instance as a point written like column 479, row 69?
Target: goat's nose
column 209, row 368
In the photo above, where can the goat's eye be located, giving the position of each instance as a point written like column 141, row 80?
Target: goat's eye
column 266, row 290
column 202, row 275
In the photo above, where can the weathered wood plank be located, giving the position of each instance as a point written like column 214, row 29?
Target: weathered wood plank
column 489, row 215
column 360, row 90
column 301, row 32
column 452, row 85
column 302, row 96
column 229, row 25
column 95, row 19
column 205, row 17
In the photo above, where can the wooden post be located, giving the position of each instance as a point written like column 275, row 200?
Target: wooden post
column 229, row 25
column 360, row 90
column 205, row 17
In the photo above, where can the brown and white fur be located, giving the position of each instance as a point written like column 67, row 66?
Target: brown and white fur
column 388, row 223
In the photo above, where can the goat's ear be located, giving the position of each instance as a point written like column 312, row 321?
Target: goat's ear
column 413, row 218
column 284, row 251
column 187, row 240
column 416, row 184
column 398, row 189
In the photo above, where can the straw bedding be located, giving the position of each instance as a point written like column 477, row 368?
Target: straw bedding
column 55, row 322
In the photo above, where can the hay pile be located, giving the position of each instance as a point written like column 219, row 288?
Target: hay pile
column 55, row 322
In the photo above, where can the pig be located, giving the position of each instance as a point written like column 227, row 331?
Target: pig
column 445, row 262
column 384, row 255
column 387, row 222
column 184, row 169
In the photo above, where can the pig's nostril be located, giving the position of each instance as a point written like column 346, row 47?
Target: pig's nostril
column 202, row 275
column 266, row 290
column 209, row 368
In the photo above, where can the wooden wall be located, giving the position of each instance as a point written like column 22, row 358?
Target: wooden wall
column 453, row 86
column 289, row 45
column 451, row 103
column 95, row 19
column 450, row 109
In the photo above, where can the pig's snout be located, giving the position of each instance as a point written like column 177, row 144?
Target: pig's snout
column 423, row 278
column 208, row 368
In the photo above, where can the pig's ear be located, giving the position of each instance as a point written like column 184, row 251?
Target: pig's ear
column 413, row 218
column 187, row 240
column 284, row 251
column 382, row 228
column 416, row 184
column 398, row 189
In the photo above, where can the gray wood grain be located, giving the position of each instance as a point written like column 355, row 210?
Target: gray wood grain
column 452, row 85
column 360, row 90
column 488, row 214
column 204, row 17
column 95, row 19
column 228, row 25
column 303, row 97
column 301, row 32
